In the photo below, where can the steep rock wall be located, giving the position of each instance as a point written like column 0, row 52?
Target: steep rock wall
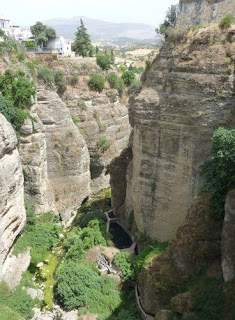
column 12, row 211
column 193, row 12
column 100, row 115
column 33, row 154
column 67, row 154
column 187, row 94
column 228, row 239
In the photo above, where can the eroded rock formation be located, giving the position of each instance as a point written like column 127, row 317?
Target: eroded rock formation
column 228, row 239
column 100, row 116
column 12, row 211
column 33, row 154
column 68, row 159
column 194, row 12
column 188, row 93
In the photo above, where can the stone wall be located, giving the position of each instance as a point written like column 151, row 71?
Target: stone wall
column 193, row 12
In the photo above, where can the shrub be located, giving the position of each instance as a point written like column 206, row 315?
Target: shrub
column 82, row 104
column 103, row 143
column 40, row 237
column 120, row 86
column 46, row 75
column 147, row 64
column 123, row 261
column 226, row 21
column 219, row 171
column 7, row 313
column 80, row 286
column 14, row 115
column 128, row 77
column 60, row 81
column 112, row 80
column 208, row 298
column 103, row 61
column 97, row 215
column 16, row 88
column 92, row 235
column 136, row 84
column 96, row 83
column 73, row 80
column 18, row 300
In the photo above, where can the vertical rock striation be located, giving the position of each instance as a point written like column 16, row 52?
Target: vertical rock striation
column 188, row 93
column 193, row 12
column 12, row 211
column 67, row 154
column 228, row 239
column 100, row 116
column 33, row 154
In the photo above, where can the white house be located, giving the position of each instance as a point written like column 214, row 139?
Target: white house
column 60, row 44
column 13, row 31
column 4, row 23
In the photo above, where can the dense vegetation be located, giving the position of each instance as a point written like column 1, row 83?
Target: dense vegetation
column 39, row 234
column 42, row 33
column 17, row 93
column 219, row 171
column 226, row 21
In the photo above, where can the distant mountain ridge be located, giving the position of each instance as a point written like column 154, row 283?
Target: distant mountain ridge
column 104, row 30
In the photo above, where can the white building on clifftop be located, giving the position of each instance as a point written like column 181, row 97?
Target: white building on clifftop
column 13, row 31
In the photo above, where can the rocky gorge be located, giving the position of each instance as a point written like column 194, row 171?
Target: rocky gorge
column 150, row 149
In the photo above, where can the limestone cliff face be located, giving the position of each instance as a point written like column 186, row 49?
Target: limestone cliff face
column 193, row 12
column 188, row 92
column 12, row 211
column 33, row 154
column 66, row 152
column 100, row 115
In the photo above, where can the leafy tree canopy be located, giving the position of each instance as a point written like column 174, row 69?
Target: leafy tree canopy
column 82, row 44
column 169, row 22
column 42, row 33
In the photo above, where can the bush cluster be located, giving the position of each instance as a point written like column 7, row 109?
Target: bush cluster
column 128, row 77
column 49, row 77
column 104, row 61
column 17, row 92
column 219, row 171
column 116, row 82
column 40, row 234
column 96, row 83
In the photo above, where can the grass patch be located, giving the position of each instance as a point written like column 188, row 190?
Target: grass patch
column 226, row 21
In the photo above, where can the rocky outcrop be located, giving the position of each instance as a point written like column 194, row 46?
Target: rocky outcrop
column 12, row 211
column 193, row 12
column 14, row 267
column 33, row 154
column 67, row 154
column 195, row 248
column 103, row 120
column 228, row 239
column 117, row 170
column 188, row 93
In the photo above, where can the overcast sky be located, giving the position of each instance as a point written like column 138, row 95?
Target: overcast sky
column 27, row 12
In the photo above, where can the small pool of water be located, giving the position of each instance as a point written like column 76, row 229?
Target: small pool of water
column 120, row 238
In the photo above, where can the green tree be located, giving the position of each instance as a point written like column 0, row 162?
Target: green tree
column 82, row 44
column 169, row 22
column 42, row 33
column 128, row 77
column 104, row 61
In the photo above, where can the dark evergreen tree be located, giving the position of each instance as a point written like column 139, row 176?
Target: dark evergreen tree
column 169, row 22
column 82, row 44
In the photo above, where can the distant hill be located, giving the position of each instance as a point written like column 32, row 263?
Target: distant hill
column 105, row 31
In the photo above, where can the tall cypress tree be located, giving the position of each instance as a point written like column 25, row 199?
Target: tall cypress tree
column 82, row 44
